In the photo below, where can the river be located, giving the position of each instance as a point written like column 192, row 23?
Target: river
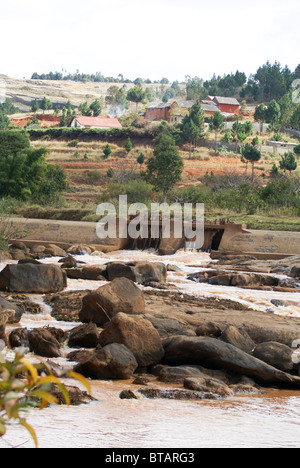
column 267, row 420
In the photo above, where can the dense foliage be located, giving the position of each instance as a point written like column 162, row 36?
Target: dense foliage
column 24, row 172
column 165, row 167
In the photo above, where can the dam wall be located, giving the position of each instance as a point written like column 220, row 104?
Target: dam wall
column 219, row 237
column 263, row 244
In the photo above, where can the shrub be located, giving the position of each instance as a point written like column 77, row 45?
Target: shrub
column 190, row 194
column 138, row 191
column 73, row 143
column 297, row 150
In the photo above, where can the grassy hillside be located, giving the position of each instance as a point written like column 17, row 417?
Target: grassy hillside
column 22, row 92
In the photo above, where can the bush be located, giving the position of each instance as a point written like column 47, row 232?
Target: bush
column 297, row 150
column 138, row 191
column 190, row 194
column 73, row 143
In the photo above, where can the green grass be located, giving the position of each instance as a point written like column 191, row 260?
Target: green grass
column 261, row 221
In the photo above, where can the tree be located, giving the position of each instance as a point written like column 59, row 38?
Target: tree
column 287, row 109
column 128, row 145
column 53, row 183
column 273, row 80
column 24, row 173
column 85, row 109
column 136, row 94
column 297, row 150
column 8, row 108
column 107, row 151
column 4, row 121
column 260, row 115
column 288, row 162
column 46, row 104
column 63, row 119
column 195, row 89
column 273, row 115
column 216, row 124
column 96, row 107
column 251, row 154
column 35, row 106
column 295, row 119
column 12, row 142
column 193, row 125
column 164, row 168
column 140, row 159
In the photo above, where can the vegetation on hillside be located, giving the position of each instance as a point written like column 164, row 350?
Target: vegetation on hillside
column 131, row 160
column 24, row 172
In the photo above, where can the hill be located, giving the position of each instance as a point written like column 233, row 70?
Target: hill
column 22, row 92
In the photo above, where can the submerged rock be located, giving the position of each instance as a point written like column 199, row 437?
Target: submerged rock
column 177, row 394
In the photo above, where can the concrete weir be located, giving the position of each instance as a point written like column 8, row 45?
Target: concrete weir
column 220, row 237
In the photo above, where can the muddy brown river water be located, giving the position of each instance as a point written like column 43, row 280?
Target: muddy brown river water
column 268, row 420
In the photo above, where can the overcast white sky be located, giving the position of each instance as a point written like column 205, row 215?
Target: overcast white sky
column 148, row 39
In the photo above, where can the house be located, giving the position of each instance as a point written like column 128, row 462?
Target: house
column 182, row 108
column 227, row 105
column 171, row 111
column 83, row 121
column 209, row 107
column 159, row 111
column 174, row 111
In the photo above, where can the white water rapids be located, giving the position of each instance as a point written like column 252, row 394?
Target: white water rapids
column 269, row 420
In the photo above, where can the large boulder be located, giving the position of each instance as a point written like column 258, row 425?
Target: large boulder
column 238, row 337
column 53, row 250
column 18, row 338
column 150, row 272
column 120, row 270
column 114, row 361
column 120, row 295
column 276, row 354
column 43, row 343
column 29, row 278
column 216, row 354
column 139, row 272
column 87, row 272
column 84, row 336
column 138, row 334
column 237, row 279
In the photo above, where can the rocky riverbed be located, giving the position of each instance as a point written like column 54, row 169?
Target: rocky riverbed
column 133, row 319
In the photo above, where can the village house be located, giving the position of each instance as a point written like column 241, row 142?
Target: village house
column 83, row 121
column 225, row 105
column 159, row 111
column 172, row 111
column 209, row 107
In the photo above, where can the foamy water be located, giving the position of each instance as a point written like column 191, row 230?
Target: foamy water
column 270, row 420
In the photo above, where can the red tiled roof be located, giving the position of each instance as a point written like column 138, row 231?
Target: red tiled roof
column 98, row 122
